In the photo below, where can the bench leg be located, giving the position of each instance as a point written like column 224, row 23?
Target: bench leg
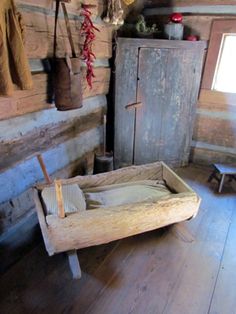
column 221, row 183
column 213, row 176
column 74, row 264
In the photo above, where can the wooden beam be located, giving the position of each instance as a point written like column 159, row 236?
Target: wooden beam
column 197, row 9
column 18, row 209
column 49, row 6
column 39, row 36
column 44, row 138
column 215, row 130
column 29, row 172
column 23, row 102
column 175, row 3
column 208, row 96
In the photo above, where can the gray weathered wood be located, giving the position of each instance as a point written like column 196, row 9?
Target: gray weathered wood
column 167, row 85
column 152, row 94
column 125, row 94
column 74, row 264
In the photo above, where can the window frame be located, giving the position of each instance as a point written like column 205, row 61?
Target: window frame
column 219, row 28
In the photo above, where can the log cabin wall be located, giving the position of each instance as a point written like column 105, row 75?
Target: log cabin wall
column 30, row 124
column 214, row 138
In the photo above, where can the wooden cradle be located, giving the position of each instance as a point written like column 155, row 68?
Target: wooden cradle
column 103, row 225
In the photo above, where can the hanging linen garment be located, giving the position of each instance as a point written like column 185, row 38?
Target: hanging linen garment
column 14, row 67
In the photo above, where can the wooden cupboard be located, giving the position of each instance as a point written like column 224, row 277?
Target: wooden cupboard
column 156, row 91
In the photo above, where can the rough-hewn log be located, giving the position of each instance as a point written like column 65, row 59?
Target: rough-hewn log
column 39, row 36
column 93, row 227
column 73, row 7
column 216, row 129
column 217, row 98
column 46, row 137
column 174, row 3
column 19, row 208
column 203, row 153
column 23, row 102
column 16, row 180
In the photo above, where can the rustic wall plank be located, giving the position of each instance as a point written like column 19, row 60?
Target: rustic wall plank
column 23, row 102
column 39, row 36
column 168, row 3
column 203, row 153
column 41, row 139
column 216, row 131
column 73, row 7
column 18, row 179
column 22, row 206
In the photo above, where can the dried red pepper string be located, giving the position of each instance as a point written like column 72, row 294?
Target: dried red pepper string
column 88, row 31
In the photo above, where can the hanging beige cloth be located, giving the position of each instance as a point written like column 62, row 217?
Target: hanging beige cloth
column 14, row 67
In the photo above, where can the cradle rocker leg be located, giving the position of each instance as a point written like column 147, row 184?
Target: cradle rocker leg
column 74, row 264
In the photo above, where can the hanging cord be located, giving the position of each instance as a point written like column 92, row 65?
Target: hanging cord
column 68, row 29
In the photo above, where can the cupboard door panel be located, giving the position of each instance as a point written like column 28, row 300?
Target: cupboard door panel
column 177, row 114
column 125, row 94
column 151, row 93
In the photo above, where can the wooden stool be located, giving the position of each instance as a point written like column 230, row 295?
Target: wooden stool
column 223, row 171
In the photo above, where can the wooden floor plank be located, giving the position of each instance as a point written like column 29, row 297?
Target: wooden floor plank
column 154, row 273
column 224, row 297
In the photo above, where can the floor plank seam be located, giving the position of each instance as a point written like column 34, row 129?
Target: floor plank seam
column 220, row 264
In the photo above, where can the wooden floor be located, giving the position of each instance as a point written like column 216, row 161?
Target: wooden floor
column 157, row 272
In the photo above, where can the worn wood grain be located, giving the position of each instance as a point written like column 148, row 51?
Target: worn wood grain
column 125, row 93
column 103, row 225
column 46, row 137
column 216, row 131
column 73, row 7
column 39, row 98
column 20, row 208
column 161, row 129
column 29, row 172
column 174, row 3
column 151, row 91
column 226, row 278
column 139, row 275
column 208, row 96
column 208, row 154
column 39, row 37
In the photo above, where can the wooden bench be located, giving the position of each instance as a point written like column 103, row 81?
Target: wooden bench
column 220, row 172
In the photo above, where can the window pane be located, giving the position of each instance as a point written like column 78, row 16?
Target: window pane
column 225, row 75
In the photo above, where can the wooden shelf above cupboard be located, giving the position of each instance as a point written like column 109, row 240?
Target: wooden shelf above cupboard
column 162, row 77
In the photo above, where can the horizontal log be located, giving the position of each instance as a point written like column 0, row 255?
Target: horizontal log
column 45, row 138
column 17, row 127
column 39, row 36
column 73, row 7
column 215, row 131
column 174, row 3
column 94, row 227
column 199, row 25
column 16, row 180
column 196, row 9
column 17, row 209
column 214, row 97
column 23, row 102
column 203, row 153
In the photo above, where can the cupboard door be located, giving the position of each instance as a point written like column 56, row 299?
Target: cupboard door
column 163, row 127
column 125, row 94
column 151, row 92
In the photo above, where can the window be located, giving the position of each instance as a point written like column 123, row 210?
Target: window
column 225, row 73
column 220, row 68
